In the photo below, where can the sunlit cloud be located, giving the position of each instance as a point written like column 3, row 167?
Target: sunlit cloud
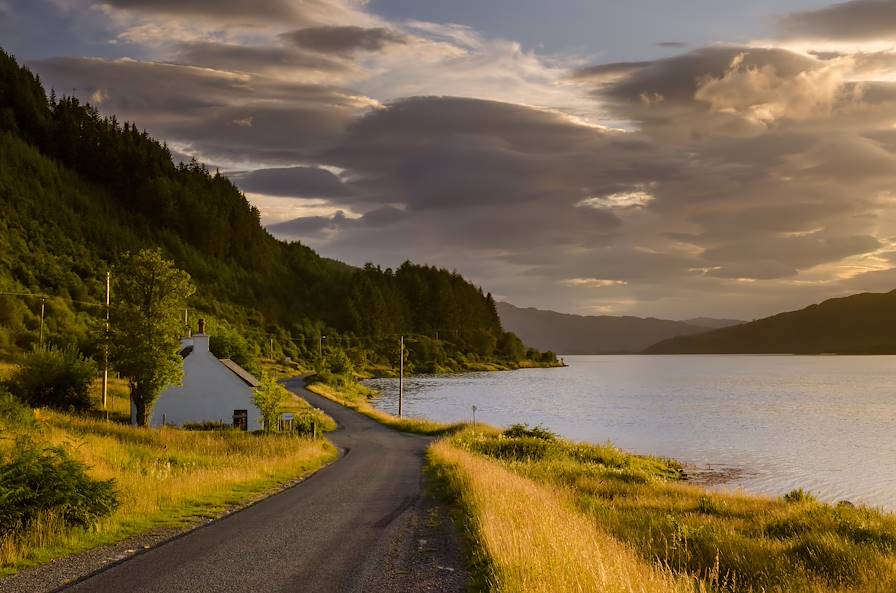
column 594, row 282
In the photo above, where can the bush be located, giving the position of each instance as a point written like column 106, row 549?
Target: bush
column 517, row 431
column 12, row 412
column 38, row 481
column 799, row 496
column 54, row 378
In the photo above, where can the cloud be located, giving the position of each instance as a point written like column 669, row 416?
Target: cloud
column 255, row 58
column 673, row 44
column 594, row 282
column 243, row 13
column 856, row 20
column 292, row 182
column 730, row 180
column 344, row 40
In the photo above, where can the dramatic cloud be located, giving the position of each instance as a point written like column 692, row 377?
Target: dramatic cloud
column 731, row 180
column 292, row 182
column 344, row 40
column 854, row 20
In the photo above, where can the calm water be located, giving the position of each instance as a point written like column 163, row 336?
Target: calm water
column 826, row 423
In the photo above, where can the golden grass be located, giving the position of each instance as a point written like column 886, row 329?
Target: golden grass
column 165, row 477
column 533, row 541
column 356, row 397
column 725, row 541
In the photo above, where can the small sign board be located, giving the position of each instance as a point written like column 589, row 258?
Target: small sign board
column 287, row 416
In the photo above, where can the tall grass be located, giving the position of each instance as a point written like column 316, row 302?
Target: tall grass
column 164, row 477
column 727, row 541
column 531, row 540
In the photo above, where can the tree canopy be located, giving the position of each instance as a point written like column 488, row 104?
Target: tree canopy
column 146, row 326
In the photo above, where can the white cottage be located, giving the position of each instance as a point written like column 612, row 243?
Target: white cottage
column 213, row 390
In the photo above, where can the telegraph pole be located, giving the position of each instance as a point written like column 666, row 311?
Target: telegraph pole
column 401, row 377
column 40, row 339
column 320, row 345
column 106, row 343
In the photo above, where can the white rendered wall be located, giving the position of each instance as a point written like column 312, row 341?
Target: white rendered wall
column 210, row 393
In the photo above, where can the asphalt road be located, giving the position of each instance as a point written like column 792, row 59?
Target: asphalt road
column 361, row 524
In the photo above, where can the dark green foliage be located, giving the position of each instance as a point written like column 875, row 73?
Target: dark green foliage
column 517, row 448
column 78, row 190
column 54, row 378
column 799, row 496
column 517, row 431
column 13, row 413
column 36, row 481
column 225, row 343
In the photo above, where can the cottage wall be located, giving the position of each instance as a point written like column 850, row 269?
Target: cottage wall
column 210, row 392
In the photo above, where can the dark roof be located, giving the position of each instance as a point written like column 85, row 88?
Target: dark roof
column 240, row 372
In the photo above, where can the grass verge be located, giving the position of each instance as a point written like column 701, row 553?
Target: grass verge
column 357, row 397
column 531, row 539
column 638, row 507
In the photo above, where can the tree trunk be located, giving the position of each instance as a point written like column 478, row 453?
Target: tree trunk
column 138, row 400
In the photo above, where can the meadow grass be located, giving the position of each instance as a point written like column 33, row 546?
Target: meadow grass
column 720, row 541
column 357, row 397
column 530, row 538
column 165, row 477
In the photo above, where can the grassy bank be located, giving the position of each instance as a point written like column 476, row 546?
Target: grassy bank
column 530, row 539
column 164, row 477
column 357, row 397
column 647, row 529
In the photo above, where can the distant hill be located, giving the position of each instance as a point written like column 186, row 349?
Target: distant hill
column 712, row 323
column 858, row 324
column 583, row 334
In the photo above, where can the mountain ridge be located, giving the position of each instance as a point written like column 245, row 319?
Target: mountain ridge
column 855, row 324
column 570, row 333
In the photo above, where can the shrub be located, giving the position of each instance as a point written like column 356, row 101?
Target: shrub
column 37, row 481
column 12, row 412
column 516, row 449
column 54, row 378
column 799, row 496
column 524, row 431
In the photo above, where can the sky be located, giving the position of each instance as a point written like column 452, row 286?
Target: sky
column 650, row 158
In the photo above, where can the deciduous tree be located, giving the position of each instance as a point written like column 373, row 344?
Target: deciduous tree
column 149, row 294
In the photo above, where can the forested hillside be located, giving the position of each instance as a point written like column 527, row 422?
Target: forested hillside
column 857, row 324
column 77, row 190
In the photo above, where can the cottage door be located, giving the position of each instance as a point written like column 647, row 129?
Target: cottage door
column 241, row 419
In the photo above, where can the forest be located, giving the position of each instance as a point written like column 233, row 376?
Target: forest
column 79, row 190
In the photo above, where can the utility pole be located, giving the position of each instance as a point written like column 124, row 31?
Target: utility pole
column 272, row 348
column 320, row 345
column 401, row 377
column 106, row 342
column 40, row 339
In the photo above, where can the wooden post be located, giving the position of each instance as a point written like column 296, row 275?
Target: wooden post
column 401, row 376
column 40, row 339
column 106, row 346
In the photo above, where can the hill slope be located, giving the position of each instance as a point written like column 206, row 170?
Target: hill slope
column 857, row 324
column 582, row 334
column 77, row 190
